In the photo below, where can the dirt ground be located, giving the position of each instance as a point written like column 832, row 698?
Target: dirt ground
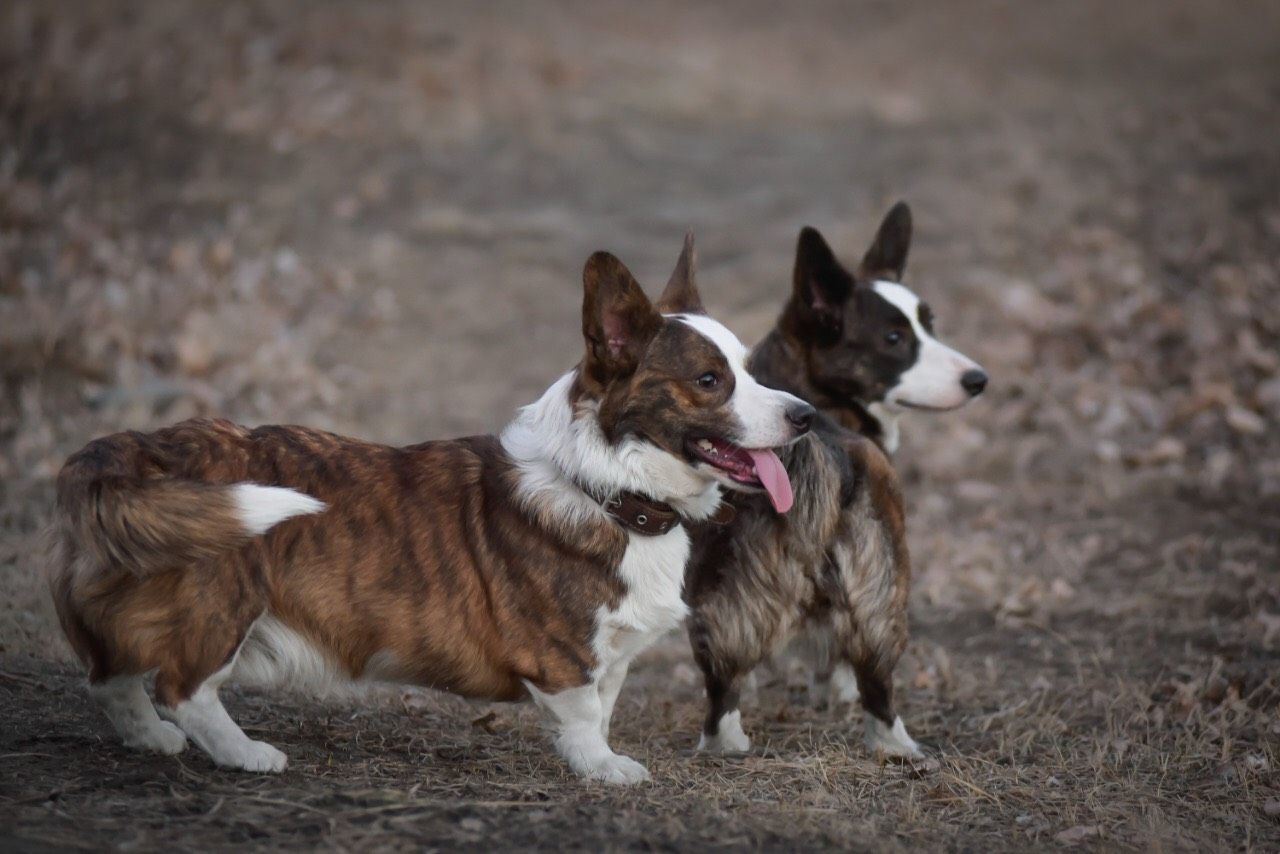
column 372, row 218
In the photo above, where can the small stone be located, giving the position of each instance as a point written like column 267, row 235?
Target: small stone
column 1244, row 420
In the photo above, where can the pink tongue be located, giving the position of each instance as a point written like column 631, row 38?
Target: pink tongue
column 774, row 478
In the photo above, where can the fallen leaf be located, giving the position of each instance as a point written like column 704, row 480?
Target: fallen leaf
column 1167, row 449
column 1244, row 420
column 1079, row 833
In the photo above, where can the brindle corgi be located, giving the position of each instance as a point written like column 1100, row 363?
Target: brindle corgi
column 835, row 571
column 534, row 564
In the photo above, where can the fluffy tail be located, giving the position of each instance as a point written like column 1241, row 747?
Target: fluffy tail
column 144, row 526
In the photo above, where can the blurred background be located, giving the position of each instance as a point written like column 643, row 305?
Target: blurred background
column 372, row 218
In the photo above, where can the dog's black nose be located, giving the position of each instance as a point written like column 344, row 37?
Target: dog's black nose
column 974, row 381
column 801, row 417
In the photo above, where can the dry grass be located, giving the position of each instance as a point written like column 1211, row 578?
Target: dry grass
column 372, row 220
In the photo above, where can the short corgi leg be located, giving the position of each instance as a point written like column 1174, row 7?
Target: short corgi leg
column 724, row 670
column 610, row 686
column 203, row 717
column 872, row 625
column 722, row 729
column 885, row 731
column 576, row 718
column 126, row 704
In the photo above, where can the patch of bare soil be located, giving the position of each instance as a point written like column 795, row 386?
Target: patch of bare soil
column 372, row 217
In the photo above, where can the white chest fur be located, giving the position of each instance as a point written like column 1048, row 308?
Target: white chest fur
column 653, row 571
column 888, row 426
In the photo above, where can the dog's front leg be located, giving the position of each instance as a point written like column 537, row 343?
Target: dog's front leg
column 610, row 686
column 576, row 718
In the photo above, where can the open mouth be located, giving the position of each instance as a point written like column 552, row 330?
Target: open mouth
column 759, row 467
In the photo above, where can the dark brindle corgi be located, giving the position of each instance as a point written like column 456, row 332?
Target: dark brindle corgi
column 535, row 564
column 835, row 571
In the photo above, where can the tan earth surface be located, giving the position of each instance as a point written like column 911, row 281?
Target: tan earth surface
column 372, row 218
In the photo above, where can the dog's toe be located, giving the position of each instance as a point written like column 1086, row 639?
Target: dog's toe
column 620, row 771
column 891, row 740
column 256, row 756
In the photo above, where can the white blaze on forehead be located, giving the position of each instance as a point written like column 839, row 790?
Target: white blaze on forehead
column 734, row 350
column 906, row 302
column 761, row 411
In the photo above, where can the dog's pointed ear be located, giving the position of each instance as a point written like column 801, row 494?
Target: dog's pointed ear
column 681, row 294
column 821, row 287
column 618, row 321
column 887, row 257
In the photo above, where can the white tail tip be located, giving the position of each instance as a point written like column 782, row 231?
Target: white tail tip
column 261, row 507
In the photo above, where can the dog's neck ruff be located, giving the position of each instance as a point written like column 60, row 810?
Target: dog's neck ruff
column 568, row 466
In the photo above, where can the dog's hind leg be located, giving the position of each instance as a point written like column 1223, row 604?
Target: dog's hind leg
column 722, row 730
column 873, row 634
column 187, row 695
column 723, row 675
column 125, row 702
column 875, row 574
column 885, row 731
column 202, row 716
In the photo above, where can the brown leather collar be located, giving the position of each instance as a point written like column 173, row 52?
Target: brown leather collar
column 652, row 518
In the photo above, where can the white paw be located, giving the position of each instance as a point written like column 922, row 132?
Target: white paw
column 163, row 737
column 843, row 687
column 617, row 770
column 255, row 756
column 722, row 743
column 729, row 737
column 891, row 741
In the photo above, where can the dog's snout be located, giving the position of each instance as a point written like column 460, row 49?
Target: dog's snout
column 974, row 381
column 801, row 417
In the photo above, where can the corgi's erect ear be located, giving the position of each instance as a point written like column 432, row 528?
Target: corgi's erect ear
column 681, row 294
column 887, row 257
column 821, row 288
column 618, row 320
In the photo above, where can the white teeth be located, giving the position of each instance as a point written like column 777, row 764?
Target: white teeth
column 707, row 446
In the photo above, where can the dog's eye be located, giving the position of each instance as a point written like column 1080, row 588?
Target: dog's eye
column 708, row 380
column 893, row 338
